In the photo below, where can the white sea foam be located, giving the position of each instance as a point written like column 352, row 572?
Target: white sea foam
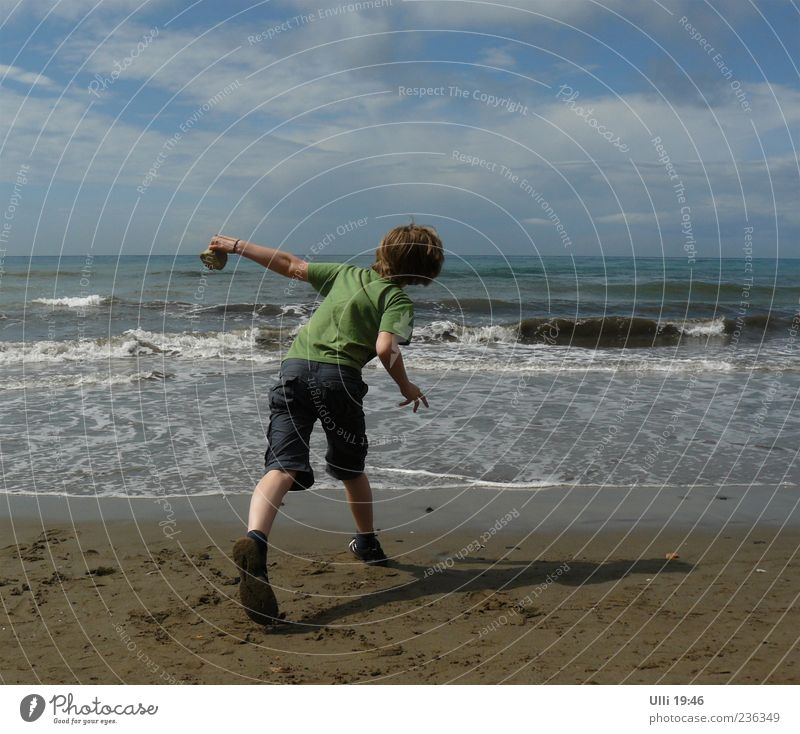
column 323, row 485
column 705, row 328
column 489, row 349
column 470, row 481
column 59, row 382
column 73, row 301
column 303, row 310
column 236, row 345
column 532, row 360
column 449, row 331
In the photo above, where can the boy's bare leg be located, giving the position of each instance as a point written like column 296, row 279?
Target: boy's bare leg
column 359, row 497
column 250, row 553
column 267, row 498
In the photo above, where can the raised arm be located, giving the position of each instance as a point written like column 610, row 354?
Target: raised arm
column 283, row 263
column 389, row 354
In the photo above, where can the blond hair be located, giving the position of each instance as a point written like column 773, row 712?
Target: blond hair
column 409, row 255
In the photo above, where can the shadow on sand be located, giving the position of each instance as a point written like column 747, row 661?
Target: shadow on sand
column 498, row 576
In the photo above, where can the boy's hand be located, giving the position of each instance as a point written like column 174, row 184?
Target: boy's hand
column 413, row 394
column 222, row 242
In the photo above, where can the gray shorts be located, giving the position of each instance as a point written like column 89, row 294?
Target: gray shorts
column 308, row 392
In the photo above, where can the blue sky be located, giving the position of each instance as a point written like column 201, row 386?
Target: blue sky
column 149, row 126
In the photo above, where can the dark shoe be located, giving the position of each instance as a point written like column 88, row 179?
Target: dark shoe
column 372, row 555
column 255, row 592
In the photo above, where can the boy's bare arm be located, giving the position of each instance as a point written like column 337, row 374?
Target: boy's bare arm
column 389, row 354
column 283, row 263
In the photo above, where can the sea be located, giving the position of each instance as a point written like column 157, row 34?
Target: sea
column 147, row 376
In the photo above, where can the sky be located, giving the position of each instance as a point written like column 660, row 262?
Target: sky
column 655, row 128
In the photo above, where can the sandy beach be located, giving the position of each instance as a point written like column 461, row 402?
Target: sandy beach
column 118, row 591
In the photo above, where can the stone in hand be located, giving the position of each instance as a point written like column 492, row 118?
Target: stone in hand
column 214, row 259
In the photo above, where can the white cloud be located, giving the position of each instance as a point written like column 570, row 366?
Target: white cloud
column 627, row 218
column 553, row 150
column 30, row 78
column 501, row 57
column 67, row 9
column 450, row 13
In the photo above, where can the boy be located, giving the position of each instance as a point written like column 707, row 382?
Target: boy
column 365, row 313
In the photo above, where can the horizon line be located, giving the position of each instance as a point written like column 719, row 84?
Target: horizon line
column 574, row 257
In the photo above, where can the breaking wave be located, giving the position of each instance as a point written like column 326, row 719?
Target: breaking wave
column 239, row 344
column 74, row 301
column 598, row 332
column 62, row 382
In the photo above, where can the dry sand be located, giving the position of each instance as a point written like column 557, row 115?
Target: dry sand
column 113, row 601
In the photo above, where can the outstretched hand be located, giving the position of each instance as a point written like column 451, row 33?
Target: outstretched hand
column 413, row 394
column 222, row 242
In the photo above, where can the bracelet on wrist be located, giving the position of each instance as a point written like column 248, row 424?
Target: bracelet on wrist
column 235, row 246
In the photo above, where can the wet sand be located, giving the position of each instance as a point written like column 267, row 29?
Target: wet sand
column 482, row 588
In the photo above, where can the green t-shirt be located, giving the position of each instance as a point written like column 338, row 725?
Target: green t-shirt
column 358, row 304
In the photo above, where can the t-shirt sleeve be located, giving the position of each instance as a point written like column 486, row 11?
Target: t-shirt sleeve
column 322, row 275
column 398, row 317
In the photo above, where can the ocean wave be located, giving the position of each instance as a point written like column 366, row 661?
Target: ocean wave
column 470, row 481
column 600, row 339
column 261, row 309
column 74, row 301
column 672, row 290
column 716, row 327
column 472, row 305
column 449, row 331
column 611, row 331
column 516, row 365
column 598, row 332
column 61, row 382
column 191, row 309
column 238, row 344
